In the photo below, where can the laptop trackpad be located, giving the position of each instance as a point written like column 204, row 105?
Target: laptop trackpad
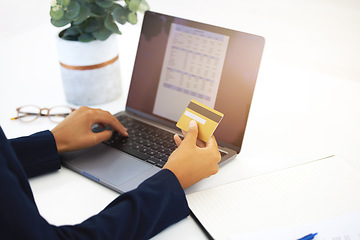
column 109, row 165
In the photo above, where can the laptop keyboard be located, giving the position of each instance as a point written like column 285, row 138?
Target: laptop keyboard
column 145, row 142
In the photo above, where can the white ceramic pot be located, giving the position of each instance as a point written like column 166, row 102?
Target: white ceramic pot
column 90, row 71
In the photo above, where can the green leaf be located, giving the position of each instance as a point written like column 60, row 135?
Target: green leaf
column 86, row 37
column 132, row 18
column 59, row 23
column 144, row 6
column 93, row 24
column 71, row 31
column 111, row 25
column 96, row 9
column 134, row 5
column 56, row 15
column 102, row 34
column 70, row 38
column 120, row 14
column 66, row 2
column 61, row 2
column 83, row 14
column 104, row 3
column 72, row 10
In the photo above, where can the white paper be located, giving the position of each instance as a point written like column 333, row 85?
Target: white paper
column 345, row 227
column 300, row 195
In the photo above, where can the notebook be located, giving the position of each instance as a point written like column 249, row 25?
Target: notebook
column 297, row 199
column 177, row 61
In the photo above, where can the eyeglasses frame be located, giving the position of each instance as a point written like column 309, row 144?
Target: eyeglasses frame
column 41, row 114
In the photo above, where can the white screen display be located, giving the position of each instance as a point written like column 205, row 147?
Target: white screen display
column 192, row 68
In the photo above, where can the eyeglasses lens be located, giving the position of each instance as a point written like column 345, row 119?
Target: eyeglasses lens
column 57, row 114
column 28, row 113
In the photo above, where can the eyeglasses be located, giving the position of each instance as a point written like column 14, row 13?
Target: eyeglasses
column 29, row 113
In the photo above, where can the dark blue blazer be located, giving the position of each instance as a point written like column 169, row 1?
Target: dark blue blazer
column 140, row 214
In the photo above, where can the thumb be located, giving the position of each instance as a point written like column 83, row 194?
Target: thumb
column 103, row 136
column 192, row 133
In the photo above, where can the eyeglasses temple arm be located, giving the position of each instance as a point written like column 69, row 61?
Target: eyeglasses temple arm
column 25, row 114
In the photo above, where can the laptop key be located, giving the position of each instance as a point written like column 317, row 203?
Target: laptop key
column 153, row 160
column 136, row 147
column 160, row 155
column 164, row 150
column 144, row 150
column 165, row 159
column 160, row 164
column 129, row 144
column 152, row 152
column 155, row 147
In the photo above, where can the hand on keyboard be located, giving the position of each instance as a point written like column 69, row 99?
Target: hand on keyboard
column 145, row 142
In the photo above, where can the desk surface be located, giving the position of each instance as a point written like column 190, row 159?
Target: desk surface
column 306, row 103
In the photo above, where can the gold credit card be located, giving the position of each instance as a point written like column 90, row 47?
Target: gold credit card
column 207, row 119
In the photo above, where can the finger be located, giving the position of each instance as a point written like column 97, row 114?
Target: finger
column 200, row 143
column 122, row 130
column 103, row 136
column 212, row 143
column 192, row 133
column 177, row 139
column 107, row 118
column 183, row 132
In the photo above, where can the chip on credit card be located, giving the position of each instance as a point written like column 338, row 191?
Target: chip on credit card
column 207, row 119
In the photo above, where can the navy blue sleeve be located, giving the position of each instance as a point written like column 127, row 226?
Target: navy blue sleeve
column 139, row 214
column 37, row 153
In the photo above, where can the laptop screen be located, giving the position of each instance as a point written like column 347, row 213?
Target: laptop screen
column 179, row 60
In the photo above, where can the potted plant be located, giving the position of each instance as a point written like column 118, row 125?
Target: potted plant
column 87, row 46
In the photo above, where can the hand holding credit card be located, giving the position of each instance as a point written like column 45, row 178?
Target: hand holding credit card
column 207, row 118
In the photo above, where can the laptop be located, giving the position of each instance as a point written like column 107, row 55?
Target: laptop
column 177, row 60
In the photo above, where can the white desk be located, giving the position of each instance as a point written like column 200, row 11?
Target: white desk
column 306, row 103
